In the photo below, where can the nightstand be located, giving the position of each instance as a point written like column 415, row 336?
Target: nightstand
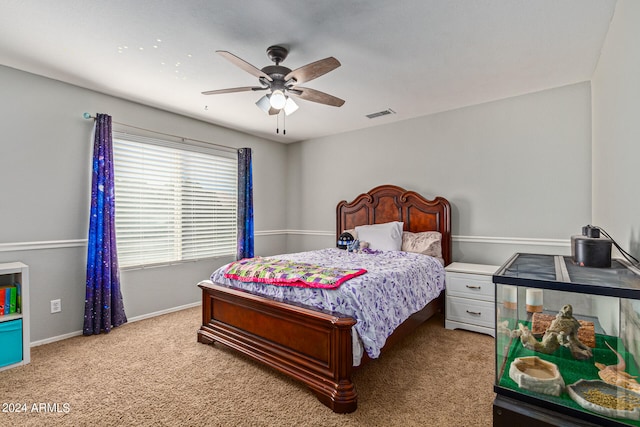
column 470, row 297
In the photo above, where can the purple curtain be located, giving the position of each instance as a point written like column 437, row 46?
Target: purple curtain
column 245, row 204
column 103, row 308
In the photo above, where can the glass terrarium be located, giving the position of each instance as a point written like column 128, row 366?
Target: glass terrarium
column 568, row 337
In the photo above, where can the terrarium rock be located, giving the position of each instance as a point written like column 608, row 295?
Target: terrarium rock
column 563, row 331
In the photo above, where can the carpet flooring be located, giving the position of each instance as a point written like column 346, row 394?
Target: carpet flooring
column 154, row 373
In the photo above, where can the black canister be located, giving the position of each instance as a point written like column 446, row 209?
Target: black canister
column 591, row 251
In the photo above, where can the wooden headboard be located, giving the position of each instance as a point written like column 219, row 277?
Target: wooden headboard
column 391, row 203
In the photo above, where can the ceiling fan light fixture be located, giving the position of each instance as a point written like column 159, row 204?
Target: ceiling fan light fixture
column 290, row 106
column 278, row 99
column 264, row 104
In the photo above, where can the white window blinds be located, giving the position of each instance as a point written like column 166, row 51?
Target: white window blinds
column 174, row 202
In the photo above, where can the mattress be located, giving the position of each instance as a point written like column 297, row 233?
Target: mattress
column 396, row 285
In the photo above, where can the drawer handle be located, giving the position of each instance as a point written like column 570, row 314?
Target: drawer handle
column 475, row 313
column 473, row 287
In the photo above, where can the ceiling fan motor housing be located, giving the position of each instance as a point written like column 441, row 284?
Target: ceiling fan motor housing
column 277, row 54
column 277, row 73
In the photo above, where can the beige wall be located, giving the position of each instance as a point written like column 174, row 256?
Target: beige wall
column 522, row 174
column 45, row 153
column 616, row 130
column 616, row 146
column 516, row 171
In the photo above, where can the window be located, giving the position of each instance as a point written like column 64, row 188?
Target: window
column 174, row 202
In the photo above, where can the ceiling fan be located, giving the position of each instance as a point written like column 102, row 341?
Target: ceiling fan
column 282, row 82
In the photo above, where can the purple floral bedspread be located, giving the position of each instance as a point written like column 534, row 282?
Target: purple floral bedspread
column 396, row 285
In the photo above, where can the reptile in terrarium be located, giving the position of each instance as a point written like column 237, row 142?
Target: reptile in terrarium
column 616, row 375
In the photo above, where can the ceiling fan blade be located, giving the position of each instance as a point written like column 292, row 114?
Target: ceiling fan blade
column 234, row 89
column 243, row 64
column 273, row 111
column 316, row 96
column 313, row 70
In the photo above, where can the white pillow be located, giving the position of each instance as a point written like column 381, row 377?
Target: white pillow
column 382, row 237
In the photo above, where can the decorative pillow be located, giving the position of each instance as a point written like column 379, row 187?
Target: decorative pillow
column 426, row 242
column 382, row 237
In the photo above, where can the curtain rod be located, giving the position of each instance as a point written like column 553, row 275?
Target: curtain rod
column 89, row 116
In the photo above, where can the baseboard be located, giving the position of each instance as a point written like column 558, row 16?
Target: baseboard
column 130, row 320
column 166, row 311
column 54, row 339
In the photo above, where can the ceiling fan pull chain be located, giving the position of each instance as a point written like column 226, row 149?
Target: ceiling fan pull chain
column 278, row 123
column 284, row 123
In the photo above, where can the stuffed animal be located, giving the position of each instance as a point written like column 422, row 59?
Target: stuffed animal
column 358, row 247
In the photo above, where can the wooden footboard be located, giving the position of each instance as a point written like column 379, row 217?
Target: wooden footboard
column 309, row 346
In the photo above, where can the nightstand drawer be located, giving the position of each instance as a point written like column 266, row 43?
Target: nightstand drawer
column 474, row 286
column 471, row 311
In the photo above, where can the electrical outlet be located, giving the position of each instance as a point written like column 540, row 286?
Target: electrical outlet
column 56, row 306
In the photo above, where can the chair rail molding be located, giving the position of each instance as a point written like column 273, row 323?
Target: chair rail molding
column 527, row 241
column 49, row 244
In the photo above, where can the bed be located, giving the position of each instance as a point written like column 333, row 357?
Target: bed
column 311, row 345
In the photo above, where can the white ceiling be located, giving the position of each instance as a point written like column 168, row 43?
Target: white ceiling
column 416, row 57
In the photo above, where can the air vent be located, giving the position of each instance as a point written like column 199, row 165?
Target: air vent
column 381, row 113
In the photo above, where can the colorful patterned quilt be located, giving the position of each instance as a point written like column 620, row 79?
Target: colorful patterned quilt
column 289, row 273
column 396, row 285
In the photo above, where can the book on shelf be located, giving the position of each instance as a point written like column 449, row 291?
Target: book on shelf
column 9, row 299
column 13, row 301
column 18, row 297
